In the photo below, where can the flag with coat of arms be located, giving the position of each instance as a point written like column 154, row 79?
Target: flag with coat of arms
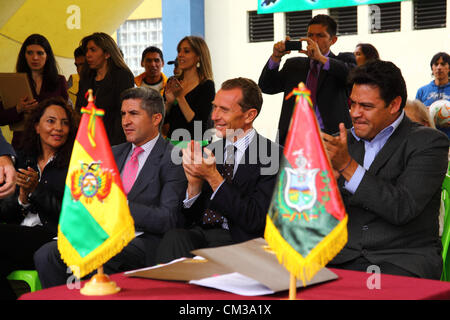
column 306, row 223
column 95, row 222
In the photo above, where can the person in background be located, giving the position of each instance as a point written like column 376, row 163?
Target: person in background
column 324, row 73
column 417, row 112
column 30, row 217
column 439, row 87
column 37, row 60
column 188, row 98
column 365, row 52
column 74, row 79
column 152, row 61
column 106, row 73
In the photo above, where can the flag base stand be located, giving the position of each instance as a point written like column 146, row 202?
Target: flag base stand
column 292, row 288
column 99, row 285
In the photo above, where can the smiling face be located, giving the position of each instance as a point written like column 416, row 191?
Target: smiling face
column 36, row 57
column 139, row 127
column 229, row 119
column 95, row 56
column 369, row 112
column 187, row 58
column 53, row 128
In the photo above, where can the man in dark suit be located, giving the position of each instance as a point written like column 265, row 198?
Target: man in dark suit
column 390, row 175
column 154, row 193
column 227, row 201
column 7, row 171
column 324, row 73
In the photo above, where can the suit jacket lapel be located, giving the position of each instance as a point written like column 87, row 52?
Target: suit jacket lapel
column 356, row 148
column 322, row 74
column 391, row 145
column 149, row 170
column 121, row 156
column 247, row 164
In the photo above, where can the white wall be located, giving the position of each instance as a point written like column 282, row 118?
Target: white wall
column 226, row 32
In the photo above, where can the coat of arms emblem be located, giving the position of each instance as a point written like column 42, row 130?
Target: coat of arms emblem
column 90, row 181
column 300, row 192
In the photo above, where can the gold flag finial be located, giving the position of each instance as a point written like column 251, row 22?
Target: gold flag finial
column 91, row 95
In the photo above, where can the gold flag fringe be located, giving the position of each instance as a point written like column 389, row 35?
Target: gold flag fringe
column 305, row 268
column 82, row 266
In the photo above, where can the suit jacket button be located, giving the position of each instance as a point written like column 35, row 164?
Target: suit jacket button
column 364, row 252
column 365, row 228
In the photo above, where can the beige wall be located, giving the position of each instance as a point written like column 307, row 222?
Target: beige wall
column 226, row 32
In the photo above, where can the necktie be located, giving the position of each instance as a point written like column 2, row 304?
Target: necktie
column 311, row 82
column 210, row 217
column 130, row 170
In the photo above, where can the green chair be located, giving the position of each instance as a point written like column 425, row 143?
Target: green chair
column 446, row 230
column 29, row 276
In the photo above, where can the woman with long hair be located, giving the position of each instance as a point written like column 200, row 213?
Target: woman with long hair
column 189, row 97
column 37, row 60
column 29, row 218
column 106, row 73
column 365, row 52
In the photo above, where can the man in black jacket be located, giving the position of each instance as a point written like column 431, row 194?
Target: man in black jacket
column 324, row 73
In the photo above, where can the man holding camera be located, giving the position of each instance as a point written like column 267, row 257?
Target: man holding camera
column 323, row 73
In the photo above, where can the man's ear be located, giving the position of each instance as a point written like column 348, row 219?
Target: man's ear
column 395, row 105
column 156, row 118
column 333, row 39
column 251, row 115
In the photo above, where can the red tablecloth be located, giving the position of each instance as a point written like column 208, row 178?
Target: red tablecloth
column 351, row 285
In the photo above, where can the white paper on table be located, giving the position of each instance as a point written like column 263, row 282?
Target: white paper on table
column 235, row 283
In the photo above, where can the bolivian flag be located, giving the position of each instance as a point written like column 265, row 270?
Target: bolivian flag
column 306, row 224
column 95, row 222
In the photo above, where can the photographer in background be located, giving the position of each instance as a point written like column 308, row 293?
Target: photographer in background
column 323, row 73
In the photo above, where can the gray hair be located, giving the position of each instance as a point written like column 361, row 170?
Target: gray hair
column 151, row 100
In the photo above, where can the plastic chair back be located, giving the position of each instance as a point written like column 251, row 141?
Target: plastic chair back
column 29, row 276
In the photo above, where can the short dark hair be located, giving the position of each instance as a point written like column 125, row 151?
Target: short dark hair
column 326, row 21
column 78, row 52
column 151, row 100
column 444, row 55
column 251, row 93
column 382, row 74
column 152, row 49
column 369, row 51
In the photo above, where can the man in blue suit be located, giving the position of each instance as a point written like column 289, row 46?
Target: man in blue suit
column 7, row 171
column 154, row 196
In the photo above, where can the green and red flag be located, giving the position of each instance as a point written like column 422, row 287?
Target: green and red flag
column 95, row 222
column 306, row 224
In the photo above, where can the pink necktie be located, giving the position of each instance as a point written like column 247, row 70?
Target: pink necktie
column 130, row 170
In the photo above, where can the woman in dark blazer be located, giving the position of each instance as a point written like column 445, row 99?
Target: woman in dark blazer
column 106, row 73
column 37, row 60
column 29, row 218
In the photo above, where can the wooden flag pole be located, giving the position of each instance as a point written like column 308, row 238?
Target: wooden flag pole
column 99, row 285
column 293, row 288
